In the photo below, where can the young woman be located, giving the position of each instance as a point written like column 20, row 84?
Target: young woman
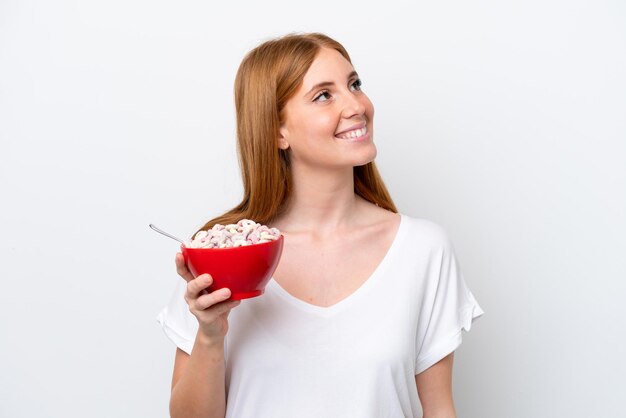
column 367, row 305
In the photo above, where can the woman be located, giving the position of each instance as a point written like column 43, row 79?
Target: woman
column 366, row 306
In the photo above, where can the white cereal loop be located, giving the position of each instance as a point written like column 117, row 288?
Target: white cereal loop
column 200, row 235
column 243, row 233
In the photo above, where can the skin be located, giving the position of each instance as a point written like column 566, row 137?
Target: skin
column 434, row 386
column 324, row 212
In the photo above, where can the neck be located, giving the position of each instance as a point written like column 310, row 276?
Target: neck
column 322, row 201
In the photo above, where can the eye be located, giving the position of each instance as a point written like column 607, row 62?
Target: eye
column 322, row 94
column 357, row 83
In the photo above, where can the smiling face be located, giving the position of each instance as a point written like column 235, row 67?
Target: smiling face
column 329, row 120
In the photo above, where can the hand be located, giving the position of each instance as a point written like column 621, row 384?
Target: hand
column 211, row 309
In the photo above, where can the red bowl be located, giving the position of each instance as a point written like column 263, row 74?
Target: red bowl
column 244, row 270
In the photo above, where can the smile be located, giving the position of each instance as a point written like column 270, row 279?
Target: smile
column 354, row 134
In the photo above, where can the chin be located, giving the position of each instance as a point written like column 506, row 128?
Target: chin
column 367, row 157
column 373, row 153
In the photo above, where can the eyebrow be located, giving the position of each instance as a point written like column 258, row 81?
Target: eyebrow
column 330, row 83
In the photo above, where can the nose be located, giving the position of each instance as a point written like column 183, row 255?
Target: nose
column 354, row 105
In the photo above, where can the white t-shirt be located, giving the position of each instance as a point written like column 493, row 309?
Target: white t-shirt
column 357, row 358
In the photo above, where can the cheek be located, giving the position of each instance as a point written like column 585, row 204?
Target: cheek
column 322, row 125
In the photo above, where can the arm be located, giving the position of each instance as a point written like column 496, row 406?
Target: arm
column 434, row 387
column 198, row 380
column 198, row 388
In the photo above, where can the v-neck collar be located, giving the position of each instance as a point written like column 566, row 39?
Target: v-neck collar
column 326, row 311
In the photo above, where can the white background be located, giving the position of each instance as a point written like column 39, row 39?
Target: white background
column 503, row 121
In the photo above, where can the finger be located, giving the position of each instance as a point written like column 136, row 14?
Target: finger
column 217, row 310
column 198, row 285
column 182, row 269
column 224, row 307
column 206, row 301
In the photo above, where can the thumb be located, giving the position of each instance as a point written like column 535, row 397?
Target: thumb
column 182, row 269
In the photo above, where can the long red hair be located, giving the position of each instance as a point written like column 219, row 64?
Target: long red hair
column 268, row 77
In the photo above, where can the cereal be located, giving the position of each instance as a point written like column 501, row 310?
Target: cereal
column 245, row 232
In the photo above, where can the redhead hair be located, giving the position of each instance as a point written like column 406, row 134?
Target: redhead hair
column 267, row 78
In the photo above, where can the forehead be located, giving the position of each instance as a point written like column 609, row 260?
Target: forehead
column 329, row 65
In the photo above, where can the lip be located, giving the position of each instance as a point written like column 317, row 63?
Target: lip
column 357, row 126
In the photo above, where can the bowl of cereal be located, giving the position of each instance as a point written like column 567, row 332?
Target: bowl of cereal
column 241, row 256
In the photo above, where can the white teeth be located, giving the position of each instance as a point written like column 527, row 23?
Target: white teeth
column 354, row 134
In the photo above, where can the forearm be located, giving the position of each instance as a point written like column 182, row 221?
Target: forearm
column 444, row 409
column 200, row 392
column 443, row 415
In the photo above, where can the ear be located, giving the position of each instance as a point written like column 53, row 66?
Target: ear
column 282, row 141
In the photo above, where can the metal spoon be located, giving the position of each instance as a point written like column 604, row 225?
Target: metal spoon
column 160, row 231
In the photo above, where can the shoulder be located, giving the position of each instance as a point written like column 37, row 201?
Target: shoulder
column 418, row 231
column 426, row 231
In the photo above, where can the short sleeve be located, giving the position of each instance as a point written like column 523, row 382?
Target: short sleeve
column 448, row 308
column 178, row 323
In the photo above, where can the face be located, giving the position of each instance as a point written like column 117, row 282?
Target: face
column 329, row 121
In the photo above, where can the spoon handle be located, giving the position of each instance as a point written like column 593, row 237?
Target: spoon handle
column 160, row 231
